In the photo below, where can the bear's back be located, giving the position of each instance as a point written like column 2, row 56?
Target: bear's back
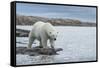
column 37, row 28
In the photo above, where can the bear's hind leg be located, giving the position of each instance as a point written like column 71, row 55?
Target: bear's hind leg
column 31, row 40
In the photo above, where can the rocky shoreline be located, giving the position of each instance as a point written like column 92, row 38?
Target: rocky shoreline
column 22, row 33
column 37, row 51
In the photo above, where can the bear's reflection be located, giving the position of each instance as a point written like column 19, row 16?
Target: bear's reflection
column 43, row 59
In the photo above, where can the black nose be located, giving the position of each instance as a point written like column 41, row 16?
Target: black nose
column 55, row 39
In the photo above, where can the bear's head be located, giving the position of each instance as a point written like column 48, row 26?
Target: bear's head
column 53, row 35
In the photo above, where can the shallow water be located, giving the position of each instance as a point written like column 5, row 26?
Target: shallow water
column 78, row 44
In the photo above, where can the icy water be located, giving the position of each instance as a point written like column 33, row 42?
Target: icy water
column 78, row 44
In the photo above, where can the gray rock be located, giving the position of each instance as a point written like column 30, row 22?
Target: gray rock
column 37, row 51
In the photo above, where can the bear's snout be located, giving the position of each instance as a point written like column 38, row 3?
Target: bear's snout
column 54, row 38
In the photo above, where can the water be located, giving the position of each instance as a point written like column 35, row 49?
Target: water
column 78, row 44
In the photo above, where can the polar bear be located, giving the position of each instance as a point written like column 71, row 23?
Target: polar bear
column 43, row 32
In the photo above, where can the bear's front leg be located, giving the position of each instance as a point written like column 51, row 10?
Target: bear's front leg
column 52, row 43
column 40, row 46
column 44, row 43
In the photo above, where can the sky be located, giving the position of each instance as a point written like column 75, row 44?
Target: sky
column 85, row 14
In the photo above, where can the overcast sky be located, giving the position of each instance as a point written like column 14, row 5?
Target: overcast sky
column 86, row 14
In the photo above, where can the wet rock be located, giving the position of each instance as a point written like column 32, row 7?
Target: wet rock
column 22, row 33
column 37, row 51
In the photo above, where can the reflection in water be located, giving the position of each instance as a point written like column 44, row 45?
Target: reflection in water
column 43, row 59
column 46, row 58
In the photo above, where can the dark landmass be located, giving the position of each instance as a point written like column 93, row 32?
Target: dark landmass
column 37, row 51
column 22, row 33
column 30, row 20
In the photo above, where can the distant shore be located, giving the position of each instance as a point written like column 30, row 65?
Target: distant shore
column 30, row 20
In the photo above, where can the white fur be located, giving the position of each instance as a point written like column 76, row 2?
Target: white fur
column 42, row 32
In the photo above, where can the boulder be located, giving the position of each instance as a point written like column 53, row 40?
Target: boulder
column 37, row 51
